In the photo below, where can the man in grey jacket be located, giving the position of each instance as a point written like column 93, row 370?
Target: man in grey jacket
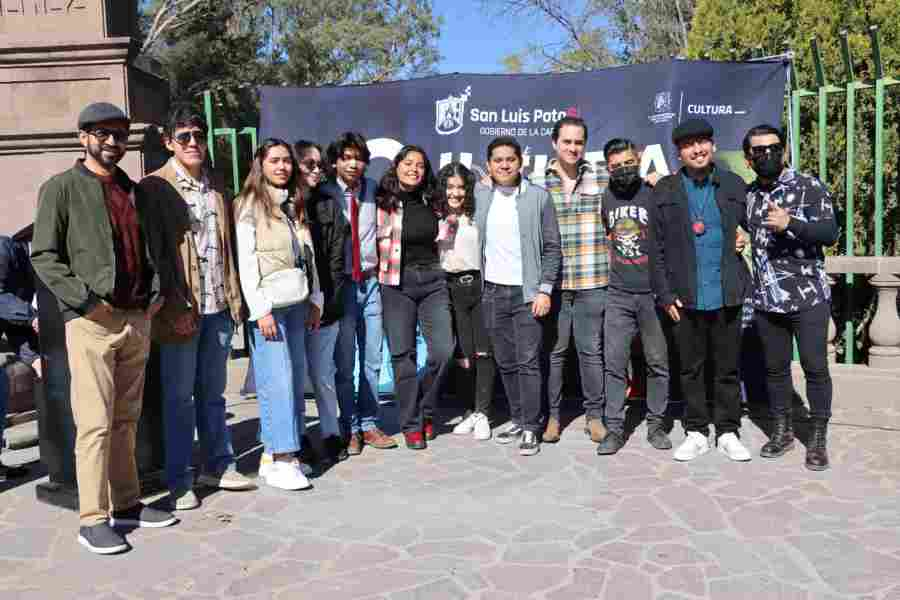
column 521, row 258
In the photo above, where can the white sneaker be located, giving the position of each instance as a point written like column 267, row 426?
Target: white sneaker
column 467, row 425
column 731, row 446
column 286, row 476
column 265, row 464
column 482, row 430
column 266, row 461
column 693, row 446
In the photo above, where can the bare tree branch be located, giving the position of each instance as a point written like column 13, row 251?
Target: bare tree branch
column 170, row 15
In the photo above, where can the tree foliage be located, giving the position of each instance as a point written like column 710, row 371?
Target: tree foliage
column 598, row 33
column 727, row 29
column 233, row 46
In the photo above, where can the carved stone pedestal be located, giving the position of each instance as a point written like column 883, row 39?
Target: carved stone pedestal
column 884, row 331
column 56, row 57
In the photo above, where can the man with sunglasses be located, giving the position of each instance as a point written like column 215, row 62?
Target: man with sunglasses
column 190, row 225
column 89, row 249
column 791, row 219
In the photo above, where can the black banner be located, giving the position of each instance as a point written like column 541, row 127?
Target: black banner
column 454, row 117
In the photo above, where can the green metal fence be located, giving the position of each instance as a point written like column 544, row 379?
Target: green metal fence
column 849, row 88
column 231, row 136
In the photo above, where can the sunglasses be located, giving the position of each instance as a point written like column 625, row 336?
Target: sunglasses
column 763, row 150
column 119, row 136
column 312, row 165
column 184, row 138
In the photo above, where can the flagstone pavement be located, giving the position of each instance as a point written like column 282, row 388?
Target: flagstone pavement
column 468, row 519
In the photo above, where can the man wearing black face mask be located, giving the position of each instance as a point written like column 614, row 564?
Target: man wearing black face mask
column 791, row 219
column 630, row 306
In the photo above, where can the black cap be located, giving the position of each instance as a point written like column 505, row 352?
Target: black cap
column 99, row 112
column 692, row 128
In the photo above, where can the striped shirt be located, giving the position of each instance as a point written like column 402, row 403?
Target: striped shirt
column 582, row 233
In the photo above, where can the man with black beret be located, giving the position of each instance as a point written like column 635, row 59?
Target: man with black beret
column 90, row 250
column 699, row 281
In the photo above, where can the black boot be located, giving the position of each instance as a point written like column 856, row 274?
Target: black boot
column 816, row 452
column 781, row 439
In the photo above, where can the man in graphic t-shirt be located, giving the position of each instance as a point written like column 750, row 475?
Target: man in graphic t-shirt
column 630, row 306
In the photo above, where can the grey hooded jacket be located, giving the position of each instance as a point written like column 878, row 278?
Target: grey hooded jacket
column 539, row 235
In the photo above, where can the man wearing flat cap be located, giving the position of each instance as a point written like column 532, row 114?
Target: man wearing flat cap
column 90, row 250
column 699, row 281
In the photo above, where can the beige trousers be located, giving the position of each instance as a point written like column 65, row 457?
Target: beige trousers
column 107, row 362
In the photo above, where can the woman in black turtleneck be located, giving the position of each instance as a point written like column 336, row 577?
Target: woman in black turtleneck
column 413, row 289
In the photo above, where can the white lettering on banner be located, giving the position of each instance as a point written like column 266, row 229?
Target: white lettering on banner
column 710, row 109
column 653, row 155
column 384, row 148
column 483, row 116
column 464, row 157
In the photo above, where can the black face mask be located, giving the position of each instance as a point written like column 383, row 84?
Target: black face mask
column 769, row 165
column 625, row 180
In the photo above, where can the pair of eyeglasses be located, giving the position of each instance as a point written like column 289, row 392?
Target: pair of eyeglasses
column 184, row 138
column 312, row 165
column 119, row 136
column 763, row 150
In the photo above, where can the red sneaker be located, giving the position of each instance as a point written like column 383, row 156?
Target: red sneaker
column 428, row 430
column 414, row 440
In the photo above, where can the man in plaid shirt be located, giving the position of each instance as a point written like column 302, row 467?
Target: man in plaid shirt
column 577, row 189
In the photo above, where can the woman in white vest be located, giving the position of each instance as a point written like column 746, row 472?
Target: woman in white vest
column 280, row 285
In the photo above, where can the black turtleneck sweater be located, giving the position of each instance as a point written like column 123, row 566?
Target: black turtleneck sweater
column 420, row 230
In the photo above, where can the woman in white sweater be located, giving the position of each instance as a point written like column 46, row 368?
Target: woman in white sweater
column 278, row 278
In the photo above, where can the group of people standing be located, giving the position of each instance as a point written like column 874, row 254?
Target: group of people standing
column 500, row 274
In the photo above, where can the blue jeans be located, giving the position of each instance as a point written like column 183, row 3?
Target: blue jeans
column 320, row 361
column 279, row 366
column 194, row 376
column 360, row 330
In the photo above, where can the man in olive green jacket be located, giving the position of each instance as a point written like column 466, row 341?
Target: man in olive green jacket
column 89, row 250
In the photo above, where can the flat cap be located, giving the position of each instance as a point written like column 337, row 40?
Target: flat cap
column 692, row 128
column 99, row 112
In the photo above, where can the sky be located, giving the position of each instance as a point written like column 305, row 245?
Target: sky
column 473, row 41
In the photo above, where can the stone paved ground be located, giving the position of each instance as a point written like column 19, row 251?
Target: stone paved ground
column 475, row 520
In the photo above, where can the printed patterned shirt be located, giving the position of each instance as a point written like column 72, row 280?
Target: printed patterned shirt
column 789, row 267
column 205, row 228
column 582, row 232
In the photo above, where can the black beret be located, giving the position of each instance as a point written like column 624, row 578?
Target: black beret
column 99, row 112
column 692, row 128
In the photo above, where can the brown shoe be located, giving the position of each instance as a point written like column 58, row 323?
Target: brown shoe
column 595, row 429
column 378, row 439
column 551, row 433
column 354, row 446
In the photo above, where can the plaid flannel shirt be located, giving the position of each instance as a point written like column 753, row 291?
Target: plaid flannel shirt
column 389, row 238
column 582, row 233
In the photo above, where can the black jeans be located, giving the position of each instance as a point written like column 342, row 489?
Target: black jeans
column 516, row 338
column 777, row 332
column 579, row 315
column 421, row 298
column 708, row 348
column 628, row 314
column 473, row 337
